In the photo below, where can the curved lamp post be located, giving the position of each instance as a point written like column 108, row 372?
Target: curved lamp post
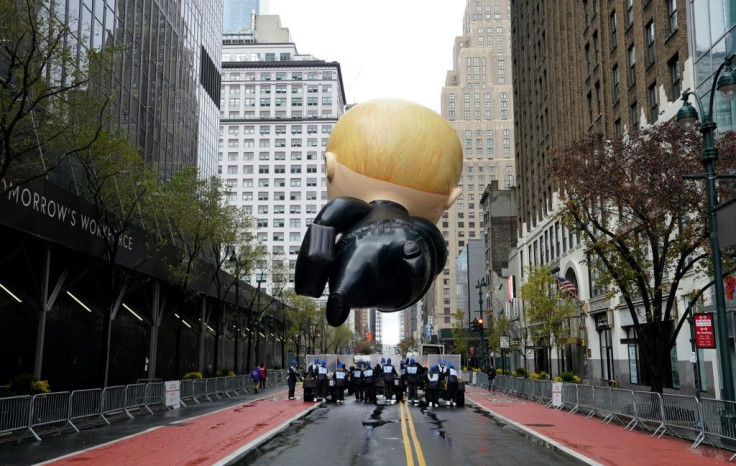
column 686, row 117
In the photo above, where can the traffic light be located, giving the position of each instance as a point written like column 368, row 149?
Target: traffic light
column 474, row 325
column 479, row 323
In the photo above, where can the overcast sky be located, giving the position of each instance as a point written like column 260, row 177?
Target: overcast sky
column 386, row 48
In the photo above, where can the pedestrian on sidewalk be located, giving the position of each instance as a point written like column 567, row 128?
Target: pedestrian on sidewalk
column 491, row 378
column 291, row 379
column 255, row 376
column 262, row 368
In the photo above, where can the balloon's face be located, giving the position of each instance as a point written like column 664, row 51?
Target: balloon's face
column 342, row 181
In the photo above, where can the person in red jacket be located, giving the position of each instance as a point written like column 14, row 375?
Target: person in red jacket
column 262, row 368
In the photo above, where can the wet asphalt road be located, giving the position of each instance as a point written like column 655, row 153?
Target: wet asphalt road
column 364, row 434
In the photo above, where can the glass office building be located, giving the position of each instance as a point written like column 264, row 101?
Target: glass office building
column 166, row 81
column 238, row 13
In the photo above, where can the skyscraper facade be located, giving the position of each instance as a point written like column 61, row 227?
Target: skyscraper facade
column 580, row 67
column 477, row 101
column 238, row 15
column 277, row 111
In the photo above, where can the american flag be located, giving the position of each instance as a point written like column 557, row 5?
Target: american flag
column 567, row 286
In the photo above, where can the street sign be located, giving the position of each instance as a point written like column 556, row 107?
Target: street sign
column 556, row 394
column 704, row 334
column 504, row 342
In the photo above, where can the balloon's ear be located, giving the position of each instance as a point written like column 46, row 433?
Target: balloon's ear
column 456, row 191
column 330, row 165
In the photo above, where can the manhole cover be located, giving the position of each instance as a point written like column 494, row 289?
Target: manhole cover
column 539, row 425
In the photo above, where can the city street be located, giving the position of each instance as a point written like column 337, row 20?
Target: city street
column 267, row 428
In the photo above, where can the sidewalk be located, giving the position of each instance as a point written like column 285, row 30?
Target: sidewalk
column 211, row 436
column 589, row 439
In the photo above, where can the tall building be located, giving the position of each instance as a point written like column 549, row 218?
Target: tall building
column 277, row 111
column 580, row 67
column 477, row 101
column 167, row 82
column 238, row 15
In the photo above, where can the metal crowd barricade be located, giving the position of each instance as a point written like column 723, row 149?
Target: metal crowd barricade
column 86, row 406
column 3, row 391
column 682, row 417
column 231, row 385
column 135, row 398
column 719, row 423
column 569, row 397
column 186, row 392
column 623, row 407
column 649, row 412
column 220, row 386
column 48, row 409
column 602, row 404
column 155, row 394
column 238, row 384
column 199, row 389
column 210, row 388
column 546, row 392
column 586, row 399
column 15, row 414
column 113, row 402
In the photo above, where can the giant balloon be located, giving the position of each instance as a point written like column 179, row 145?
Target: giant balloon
column 392, row 169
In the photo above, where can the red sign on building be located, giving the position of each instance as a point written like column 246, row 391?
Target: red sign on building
column 704, row 334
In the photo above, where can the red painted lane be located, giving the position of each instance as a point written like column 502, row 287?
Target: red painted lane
column 605, row 443
column 201, row 440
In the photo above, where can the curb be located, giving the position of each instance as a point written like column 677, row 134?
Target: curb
column 243, row 451
column 537, row 437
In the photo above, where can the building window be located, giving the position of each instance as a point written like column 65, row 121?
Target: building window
column 629, row 13
column 587, row 57
column 613, row 30
column 617, row 128
column 632, row 66
column 672, row 12
column 675, row 77
column 649, row 32
column 653, row 104
column 634, row 114
column 590, row 108
column 616, row 91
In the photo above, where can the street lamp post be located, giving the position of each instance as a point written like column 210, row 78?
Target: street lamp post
column 481, row 283
column 686, row 117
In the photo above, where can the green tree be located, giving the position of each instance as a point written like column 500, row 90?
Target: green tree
column 54, row 100
column 646, row 227
column 547, row 308
column 407, row 345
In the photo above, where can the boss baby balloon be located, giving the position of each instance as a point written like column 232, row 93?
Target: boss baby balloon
column 392, row 169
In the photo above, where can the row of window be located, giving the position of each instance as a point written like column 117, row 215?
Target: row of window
column 277, row 182
column 278, row 101
column 232, row 196
column 311, row 142
column 327, row 75
column 555, row 241
column 278, row 129
column 277, row 89
column 476, row 95
column 250, row 156
column 265, row 169
column 278, row 115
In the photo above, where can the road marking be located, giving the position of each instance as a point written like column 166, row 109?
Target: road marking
column 407, row 445
column 417, row 445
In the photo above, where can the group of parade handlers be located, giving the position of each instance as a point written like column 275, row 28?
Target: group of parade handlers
column 367, row 382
